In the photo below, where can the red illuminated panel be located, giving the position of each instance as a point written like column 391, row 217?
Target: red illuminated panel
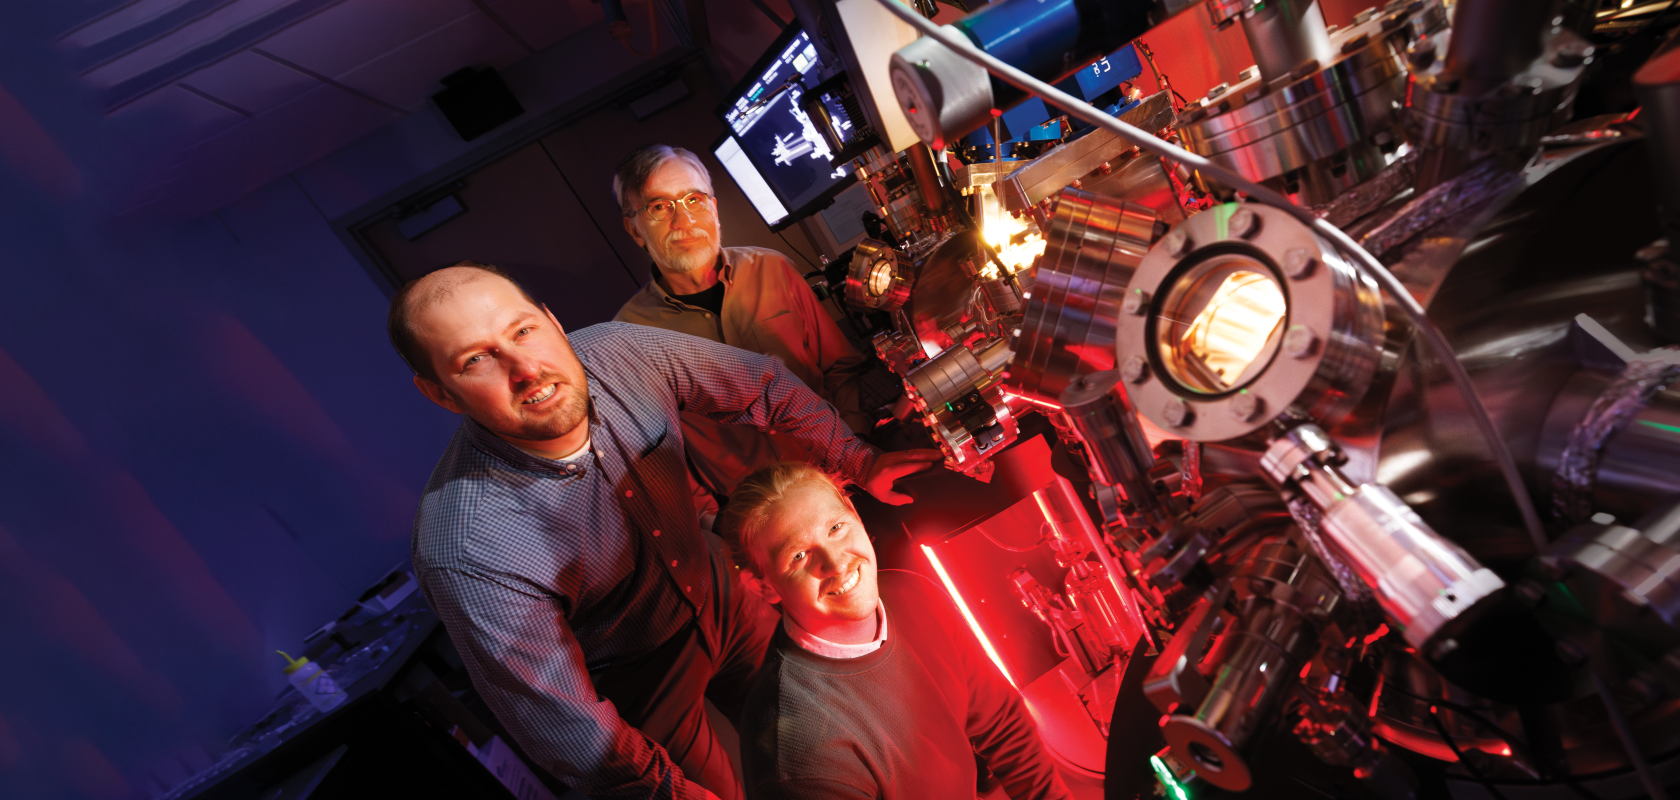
column 973, row 624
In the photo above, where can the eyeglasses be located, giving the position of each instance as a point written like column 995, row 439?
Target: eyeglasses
column 660, row 210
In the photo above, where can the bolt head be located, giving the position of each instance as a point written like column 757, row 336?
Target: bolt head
column 1136, row 303
column 1178, row 413
column 1135, row 370
column 1299, row 262
column 1245, row 223
column 1177, row 243
column 1300, row 342
column 1245, row 407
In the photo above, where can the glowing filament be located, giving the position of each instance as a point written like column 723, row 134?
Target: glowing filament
column 973, row 623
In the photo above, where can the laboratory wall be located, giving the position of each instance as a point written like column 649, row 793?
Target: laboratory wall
column 207, row 446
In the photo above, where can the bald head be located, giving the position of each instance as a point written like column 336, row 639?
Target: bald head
column 429, row 290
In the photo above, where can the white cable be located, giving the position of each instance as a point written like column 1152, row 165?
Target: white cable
column 1437, row 341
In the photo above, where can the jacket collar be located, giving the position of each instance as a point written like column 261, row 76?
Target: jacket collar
column 726, row 273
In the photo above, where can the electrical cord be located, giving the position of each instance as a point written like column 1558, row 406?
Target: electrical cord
column 1372, row 267
column 1516, row 743
column 796, row 250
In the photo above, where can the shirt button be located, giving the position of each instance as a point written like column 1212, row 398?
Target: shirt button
column 688, row 588
column 673, row 562
column 656, row 534
column 628, row 493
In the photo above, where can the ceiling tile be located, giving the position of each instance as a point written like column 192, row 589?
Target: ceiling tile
column 286, row 138
column 408, row 77
column 543, row 22
column 181, row 42
column 250, row 82
column 169, row 119
column 355, row 32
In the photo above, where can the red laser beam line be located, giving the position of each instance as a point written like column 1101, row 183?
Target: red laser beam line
column 973, row 624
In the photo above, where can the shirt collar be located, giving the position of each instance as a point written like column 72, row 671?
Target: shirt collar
column 726, row 274
column 497, row 447
column 828, row 649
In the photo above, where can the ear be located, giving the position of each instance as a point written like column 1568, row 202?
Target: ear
column 751, row 581
column 630, row 228
column 435, row 392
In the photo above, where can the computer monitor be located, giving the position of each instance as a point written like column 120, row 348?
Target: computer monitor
column 772, row 149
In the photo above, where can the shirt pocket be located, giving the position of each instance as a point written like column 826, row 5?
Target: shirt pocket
column 782, row 335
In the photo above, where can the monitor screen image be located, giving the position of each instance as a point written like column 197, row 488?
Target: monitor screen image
column 773, row 150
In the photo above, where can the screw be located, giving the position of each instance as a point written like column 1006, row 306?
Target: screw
column 1105, row 168
column 1299, row 342
column 1298, row 263
column 1245, row 223
column 1135, row 370
column 1177, row 243
column 1245, row 407
column 1136, row 303
column 1178, row 413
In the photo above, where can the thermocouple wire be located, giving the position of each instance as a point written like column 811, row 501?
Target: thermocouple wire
column 1414, row 311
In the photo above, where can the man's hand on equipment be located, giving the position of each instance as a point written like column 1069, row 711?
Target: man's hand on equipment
column 892, row 466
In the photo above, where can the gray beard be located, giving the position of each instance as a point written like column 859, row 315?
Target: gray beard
column 685, row 261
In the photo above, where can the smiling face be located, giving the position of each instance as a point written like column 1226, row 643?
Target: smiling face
column 686, row 241
column 501, row 360
column 814, row 558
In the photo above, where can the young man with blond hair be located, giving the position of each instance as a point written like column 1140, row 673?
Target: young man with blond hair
column 868, row 690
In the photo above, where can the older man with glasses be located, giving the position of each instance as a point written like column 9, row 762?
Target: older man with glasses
column 748, row 297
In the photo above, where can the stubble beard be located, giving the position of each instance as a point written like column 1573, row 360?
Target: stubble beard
column 571, row 411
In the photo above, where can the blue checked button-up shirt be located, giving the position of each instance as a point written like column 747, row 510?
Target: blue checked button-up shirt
column 543, row 571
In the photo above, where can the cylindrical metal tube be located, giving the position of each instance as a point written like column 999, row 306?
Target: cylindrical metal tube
column 1425, row 584
column 944, row 96
column 1263, row 657
column 927, row 178
column 1099, row 411
column 1285, row 34
column 1067, row 327
column 1493, row 40
column 951, row 375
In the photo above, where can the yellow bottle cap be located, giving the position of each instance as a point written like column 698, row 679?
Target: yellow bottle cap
column 292, row 665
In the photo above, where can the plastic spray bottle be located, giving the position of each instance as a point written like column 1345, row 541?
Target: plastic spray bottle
column 313, row 683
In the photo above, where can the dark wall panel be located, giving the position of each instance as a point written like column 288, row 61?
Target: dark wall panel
column 522, row 217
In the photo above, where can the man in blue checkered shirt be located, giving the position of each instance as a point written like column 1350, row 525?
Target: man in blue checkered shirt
column 557, row 539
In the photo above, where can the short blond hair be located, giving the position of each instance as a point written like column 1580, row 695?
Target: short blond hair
column 758, row 496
